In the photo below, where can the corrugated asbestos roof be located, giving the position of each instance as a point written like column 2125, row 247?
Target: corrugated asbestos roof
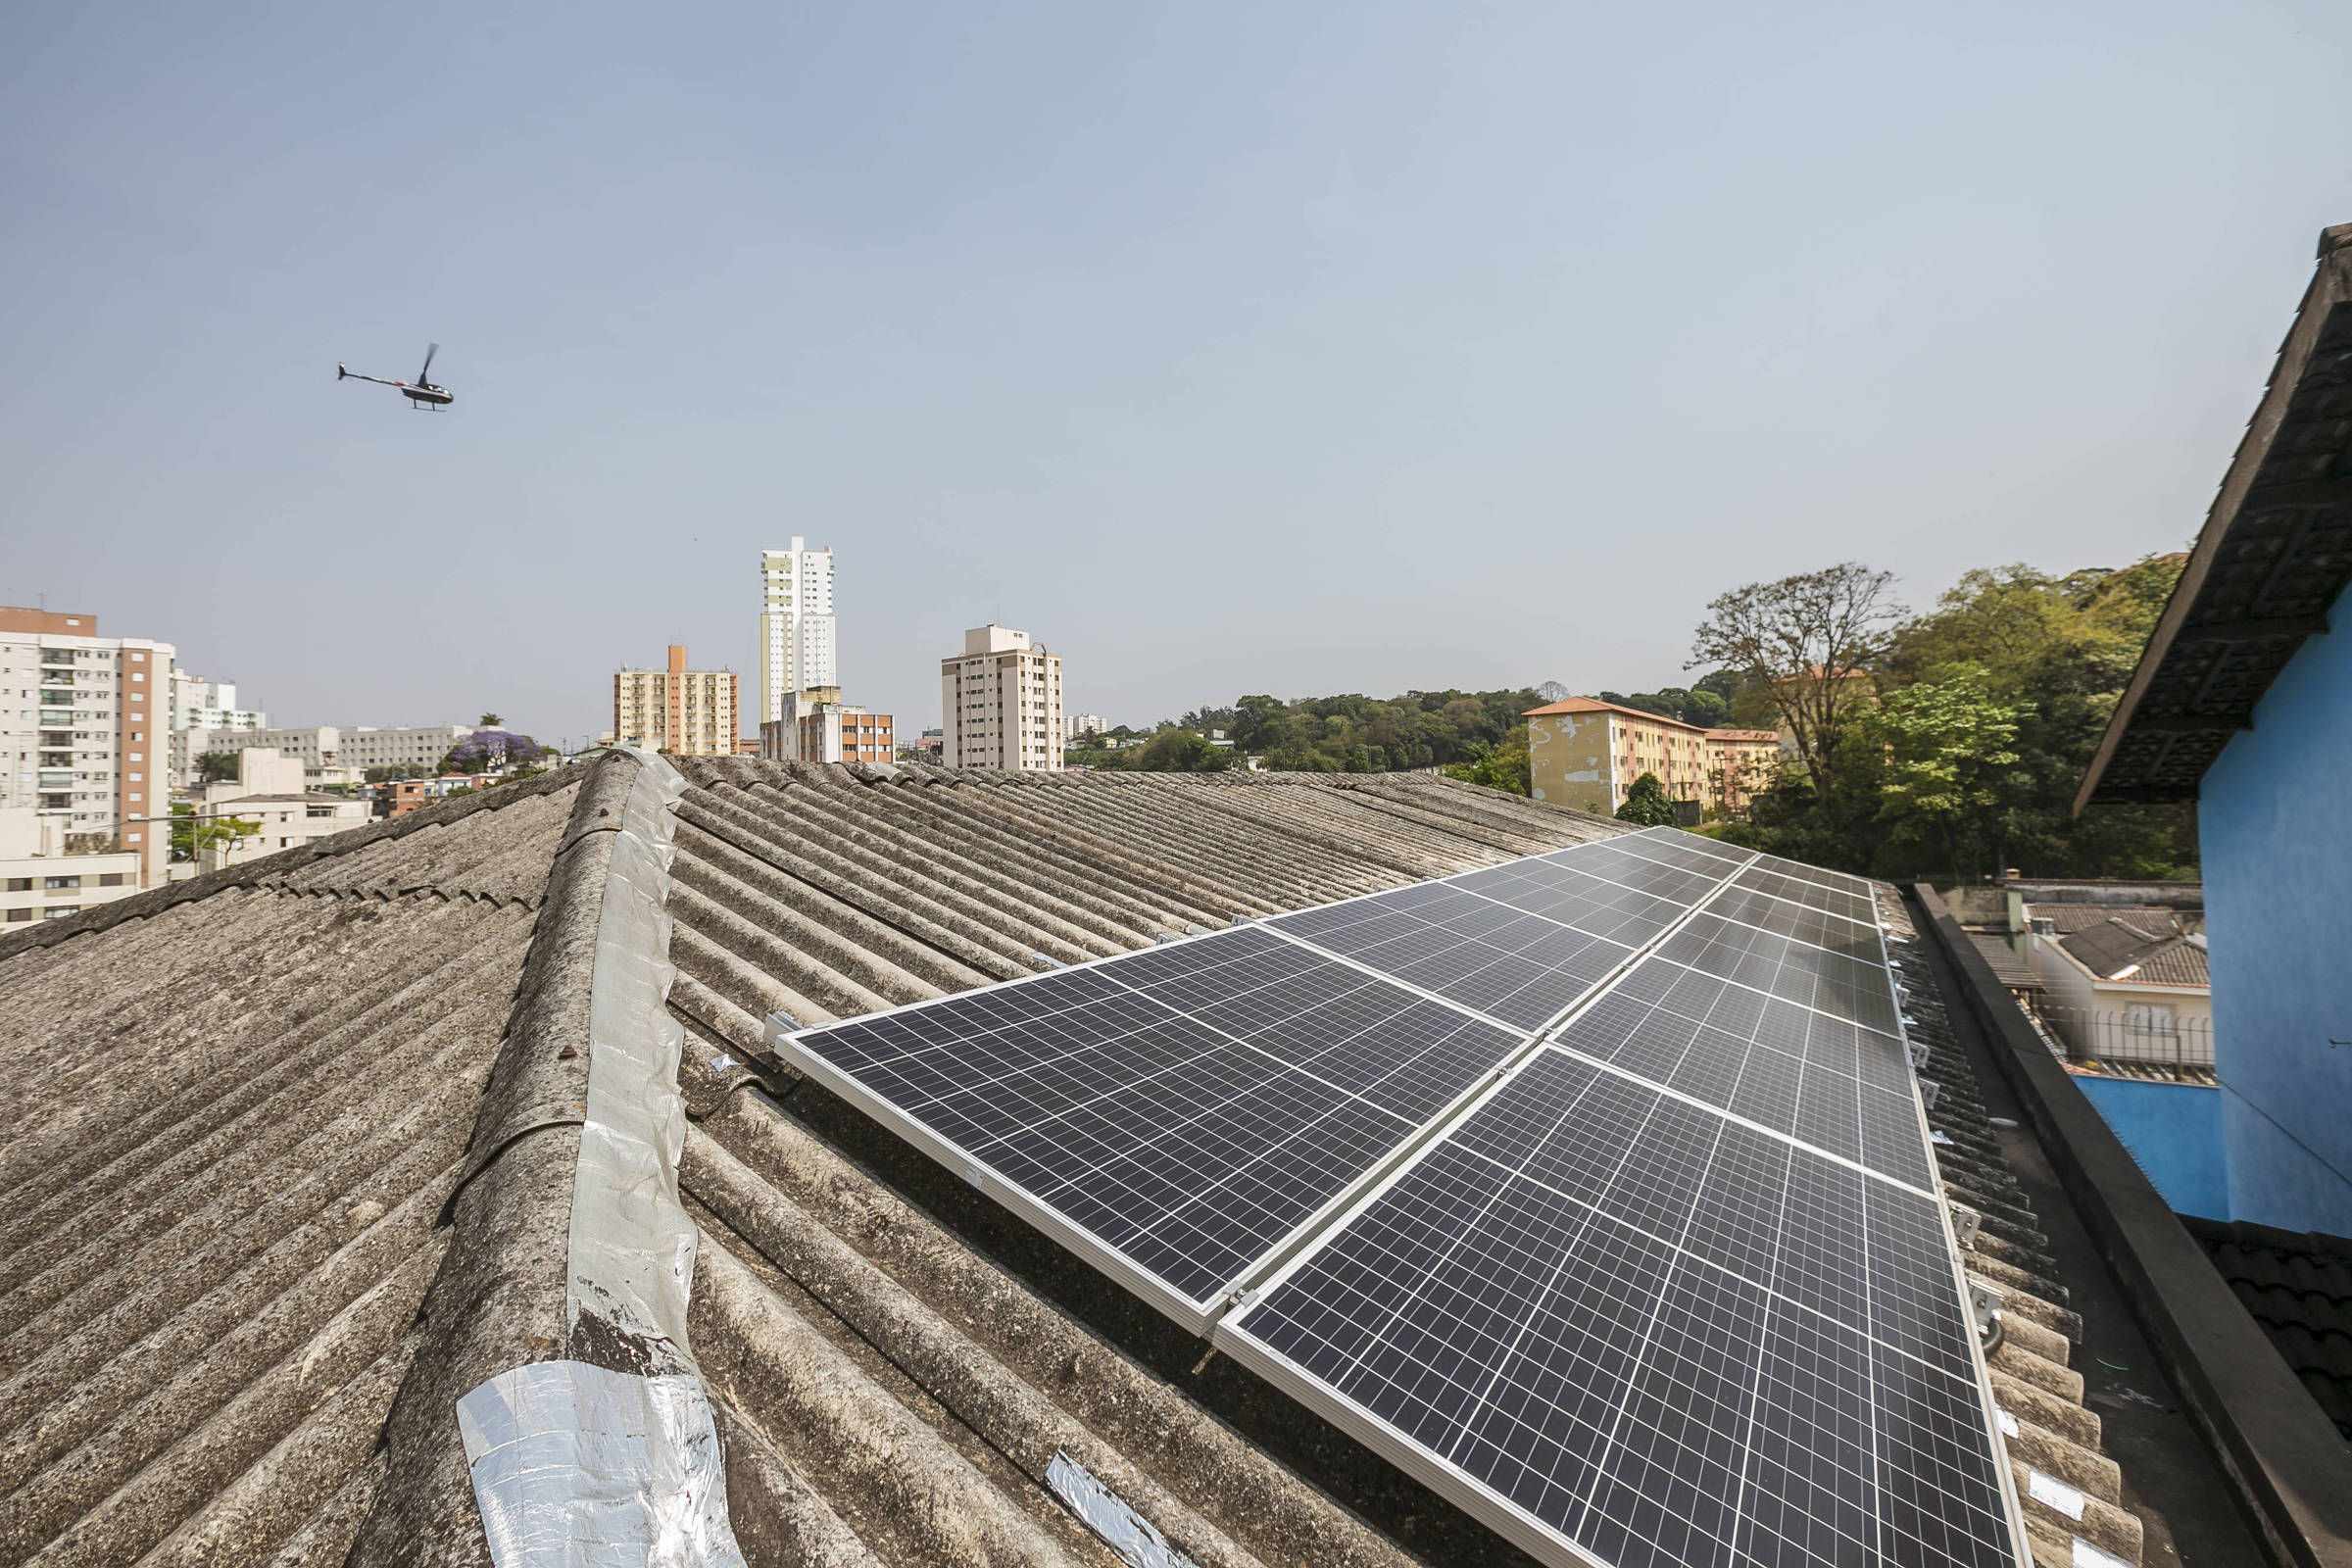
column 230, row 1129
column 240, row 1297
column 2118, row 948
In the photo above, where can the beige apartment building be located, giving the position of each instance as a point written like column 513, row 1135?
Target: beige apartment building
column 1587, row 752
column 1000, row 704
column 686, row 712
column 1740, row 763
column 83, row 734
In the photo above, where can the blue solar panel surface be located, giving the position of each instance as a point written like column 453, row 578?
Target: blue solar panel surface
column 1677, row 1289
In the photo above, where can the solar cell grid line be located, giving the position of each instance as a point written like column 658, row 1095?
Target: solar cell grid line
column 1854, row 902
column 1807, row 871
column 1797, row 921
column 1519, row 969
column 1780, row 1067
column 1678, row 847
column 1576, row 898
column 1533, row 1346
column 1175, row 1115
column 1648, row 873
column 1832, row 983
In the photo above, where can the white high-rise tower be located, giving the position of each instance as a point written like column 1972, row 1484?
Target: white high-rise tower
column 796, row 625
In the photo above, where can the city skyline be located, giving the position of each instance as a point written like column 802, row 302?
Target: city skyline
column 1283, row 368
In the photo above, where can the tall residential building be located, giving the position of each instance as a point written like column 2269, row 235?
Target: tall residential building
column 796, row 625
column 1000, row 704
column 687, row 712
column 1075, row 725
column 82, row 732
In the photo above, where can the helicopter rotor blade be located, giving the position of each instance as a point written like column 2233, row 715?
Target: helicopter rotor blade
column 424, row 377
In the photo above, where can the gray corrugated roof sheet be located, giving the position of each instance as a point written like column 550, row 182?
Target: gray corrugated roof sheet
column 239, row 1299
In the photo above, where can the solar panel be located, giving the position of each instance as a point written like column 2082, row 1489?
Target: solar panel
column 1176, row 1114
column 1592, row 1188
column 1597, row 1315
column 1822, row 1081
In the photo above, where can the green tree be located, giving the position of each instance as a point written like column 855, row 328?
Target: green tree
column 1180, row 751
column 191, row 833
column 1646, row 804
column 1948, row 766
column 1806, row 641
column 214, row 767
column 1259, row 723
column 1917, row 780
column 1502, row 766
column 491, row 721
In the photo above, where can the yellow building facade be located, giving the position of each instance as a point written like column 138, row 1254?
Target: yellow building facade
column 1586, row 753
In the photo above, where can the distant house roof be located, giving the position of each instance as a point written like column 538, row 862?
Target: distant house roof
column 2066, row 918
column 2299, row 1289
column 2121, row 948
column 2276, row 552
column 291, row 1154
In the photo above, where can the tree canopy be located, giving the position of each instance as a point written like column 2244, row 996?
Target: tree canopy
column 1348, row 733
column 1959, row 748
column 1645, row 804
column 487, row 749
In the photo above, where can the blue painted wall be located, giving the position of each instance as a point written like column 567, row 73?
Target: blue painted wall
column 2175, row 1132
column 2275, row 817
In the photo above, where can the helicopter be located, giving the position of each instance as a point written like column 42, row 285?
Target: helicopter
column 421, row 394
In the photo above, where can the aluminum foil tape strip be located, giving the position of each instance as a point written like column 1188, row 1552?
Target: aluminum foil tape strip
column 590, row 1468
column 632, row 1246
column 611, row 1459
column 1132, row 1536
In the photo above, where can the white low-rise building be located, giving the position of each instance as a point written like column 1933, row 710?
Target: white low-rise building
column 268, row 796
column 360, row 746
column 40, row 881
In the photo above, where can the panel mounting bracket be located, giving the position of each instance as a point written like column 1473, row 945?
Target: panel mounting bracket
column 1984, row 1300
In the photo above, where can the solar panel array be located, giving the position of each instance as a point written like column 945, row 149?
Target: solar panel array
column 1592, row 1186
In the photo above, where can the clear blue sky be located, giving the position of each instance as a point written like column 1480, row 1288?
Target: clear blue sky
column 1280, row 349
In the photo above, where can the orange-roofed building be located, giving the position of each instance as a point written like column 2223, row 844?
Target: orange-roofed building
column 1588, row 752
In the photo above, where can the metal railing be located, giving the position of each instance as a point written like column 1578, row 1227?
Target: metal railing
column 2099, row 1034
